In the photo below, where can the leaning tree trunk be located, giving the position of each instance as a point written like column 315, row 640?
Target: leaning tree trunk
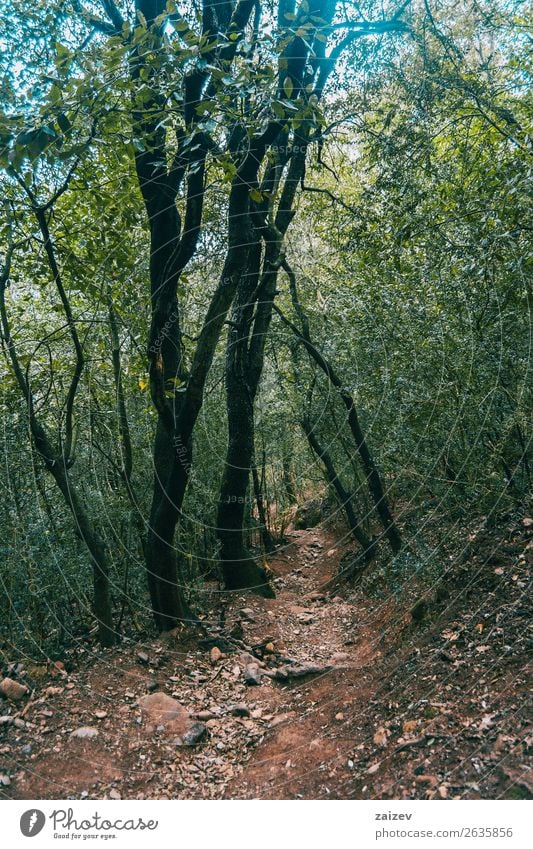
column 368, row 545
column 373, row 477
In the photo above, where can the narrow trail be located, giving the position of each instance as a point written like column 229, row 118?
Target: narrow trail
column 376, row 717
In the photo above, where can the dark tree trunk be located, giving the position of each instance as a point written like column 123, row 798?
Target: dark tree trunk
column 288, row 482
column 238, row 566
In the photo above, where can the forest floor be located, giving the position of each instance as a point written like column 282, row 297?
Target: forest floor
column 315, row 694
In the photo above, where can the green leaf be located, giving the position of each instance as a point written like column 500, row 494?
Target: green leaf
column 288, row 86
column 64, row 123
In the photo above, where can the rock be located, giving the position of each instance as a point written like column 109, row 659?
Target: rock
column 306, row 619
column 5, row 780
column 339, row 657
column 143, row 658
column 308, row 515
column 114, row 794
column 86, row 732
column 12, row 690
column 100, row 714
column 239, row 710
column 283, row 673
column 193, row 735
column 339, row 716
column 204, row 715
column 247, row 613
column 161, row 709
column 374, row 768
column 252, row 675
column 215, row 655
column 151, row 685
column 270, row 648
column 5, row 720
column 27, row 749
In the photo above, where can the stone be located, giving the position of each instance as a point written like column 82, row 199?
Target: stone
column 194, row 734
column 100, row 714
column 143, row 658
column 215, row 655
column 114, row 794
column 204, row 715
column 86, row 732
column 247, row 613
column 339, row 657
column 240, row 710
column 5, row 780
column 6, row 720
column 161, row 709
column 306, row 619
column 252, row 675
column 308, row 515
column 12, row 690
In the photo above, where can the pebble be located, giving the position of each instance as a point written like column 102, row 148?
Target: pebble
column 12, row 690
column 193, row 735
column 240, row 710
column 252, row 675
column 247, row 613
column 215, row 655
column 86, row 732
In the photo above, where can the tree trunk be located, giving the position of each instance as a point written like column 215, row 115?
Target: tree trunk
column 238, row 566
column 373, row 477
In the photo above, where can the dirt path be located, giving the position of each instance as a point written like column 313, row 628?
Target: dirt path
column 381, row 720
